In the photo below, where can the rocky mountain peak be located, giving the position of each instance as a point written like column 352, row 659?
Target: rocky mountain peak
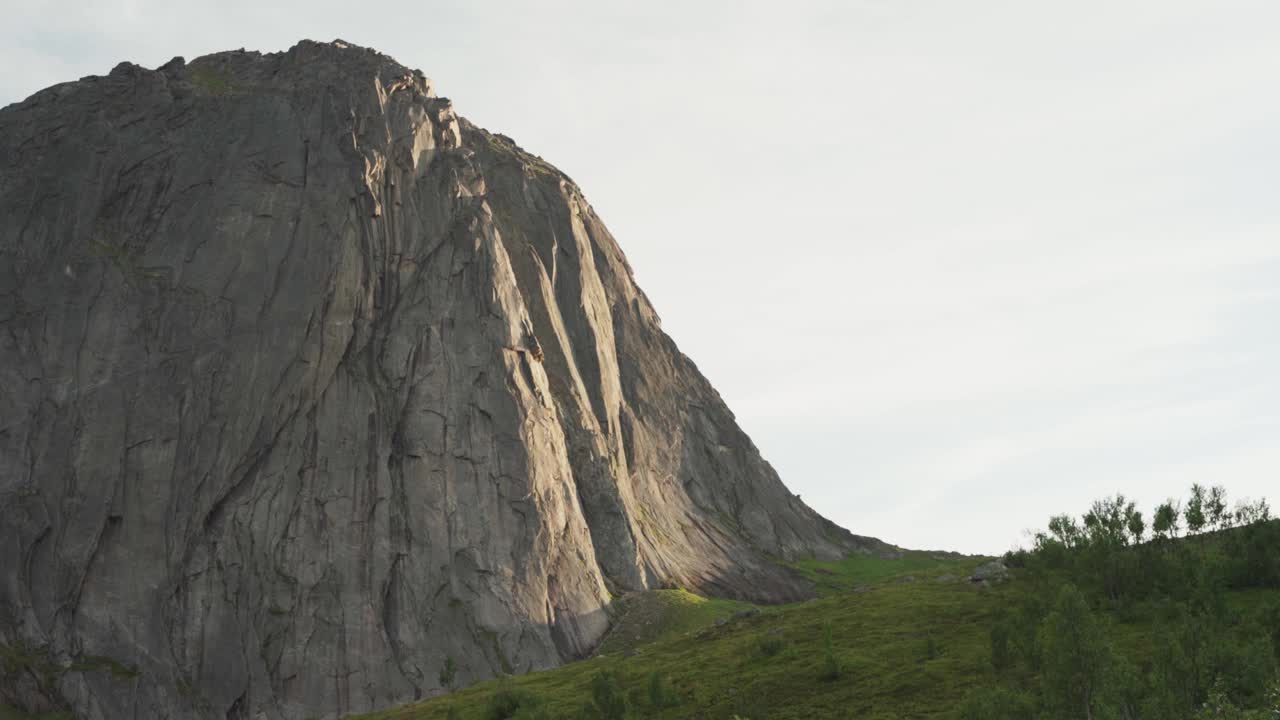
column 309, row 386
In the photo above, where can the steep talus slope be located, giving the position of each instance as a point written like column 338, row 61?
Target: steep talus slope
column 308, row 385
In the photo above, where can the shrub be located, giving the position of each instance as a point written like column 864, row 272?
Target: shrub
column 608, row 701
column 1243, row 664
column 512, row 704
column 661, row 694
column 448, row 673
column 1269, row 617
column 1001, row 653
column 770, row 646
column 1218, row 705
column 532, row 712
column 1077, row 659
column 931, row 650
column 1016, row 558
column 832, row 668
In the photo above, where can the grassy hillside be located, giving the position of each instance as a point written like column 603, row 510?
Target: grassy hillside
column 648, row 617
column 905, row 648
column 859, row 570
column 1098, row 619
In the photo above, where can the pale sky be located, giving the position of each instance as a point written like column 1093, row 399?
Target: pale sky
column 955, row 266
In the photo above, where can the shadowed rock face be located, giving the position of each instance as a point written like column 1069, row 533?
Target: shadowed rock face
column 307, row 385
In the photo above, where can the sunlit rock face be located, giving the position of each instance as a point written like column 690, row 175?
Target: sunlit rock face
column 308, row 385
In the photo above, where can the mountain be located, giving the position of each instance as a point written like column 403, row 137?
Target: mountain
column 310, row 388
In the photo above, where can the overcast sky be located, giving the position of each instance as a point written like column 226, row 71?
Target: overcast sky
column 955, row 266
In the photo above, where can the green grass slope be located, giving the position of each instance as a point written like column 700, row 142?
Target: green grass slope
column 905, row 649
column 1097, row 620
column 859, row 570
column 647, row 617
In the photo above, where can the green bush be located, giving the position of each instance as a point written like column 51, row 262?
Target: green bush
column 1244, row 664
column 1218, row 706
column 770, row 646
column 1001, row 652
column 448, row 673
column 661, row 694
column 513, row 704
column 532, row 712
column 931, row 649
column 1077, row 658
column 1268, row 617
column 832, row 667
column 608, row 700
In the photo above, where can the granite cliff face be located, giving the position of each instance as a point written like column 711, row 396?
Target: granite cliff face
column 308, row 385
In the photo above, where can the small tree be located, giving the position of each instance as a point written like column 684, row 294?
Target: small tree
column 1107, row 521
column 832, row 668
column 608, row 701
column 1136, row 525
column 448, row 673
column 1216, row 508
column 1195, row 510
column 1077, row 660
column 1165, row 522
column 661, row 695
column 1249, row 513
column 1063, row 528
column 1172, row 690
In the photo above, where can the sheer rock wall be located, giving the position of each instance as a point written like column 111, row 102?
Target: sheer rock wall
column 308, row 385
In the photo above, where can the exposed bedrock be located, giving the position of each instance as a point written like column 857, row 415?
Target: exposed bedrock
column 308, row 385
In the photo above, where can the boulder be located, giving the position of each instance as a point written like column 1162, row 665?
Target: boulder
column 990, row 572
